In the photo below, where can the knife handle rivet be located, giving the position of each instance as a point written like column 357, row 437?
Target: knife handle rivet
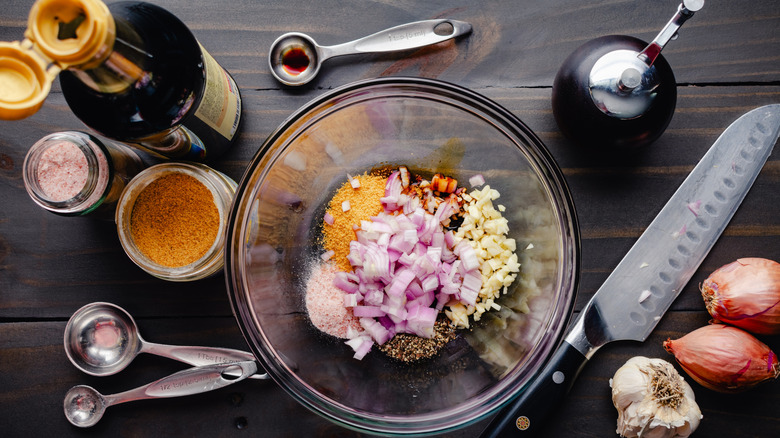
column 558, row 377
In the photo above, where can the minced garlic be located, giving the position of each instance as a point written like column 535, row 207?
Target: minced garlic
column 485, row 229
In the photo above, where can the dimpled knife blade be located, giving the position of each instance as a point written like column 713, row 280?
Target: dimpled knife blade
column 654, row 271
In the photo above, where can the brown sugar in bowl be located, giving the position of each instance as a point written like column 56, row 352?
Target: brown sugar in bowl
column 171, row 220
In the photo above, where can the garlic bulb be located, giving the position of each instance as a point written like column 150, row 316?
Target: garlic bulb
column 653, row 400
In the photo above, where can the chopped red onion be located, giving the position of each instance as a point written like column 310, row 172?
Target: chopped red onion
column 404, row 262
column 343, row 282
column 329, row 218
column 367, row 311
column 350, row 300
column 467, row 255
column 361, row 345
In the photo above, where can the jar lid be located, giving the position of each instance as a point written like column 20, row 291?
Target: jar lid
column 60, row 34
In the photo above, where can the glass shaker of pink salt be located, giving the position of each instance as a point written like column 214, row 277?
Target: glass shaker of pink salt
column 72, row 173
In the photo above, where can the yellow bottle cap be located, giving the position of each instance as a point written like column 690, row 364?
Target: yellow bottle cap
column 24, row 81
column 60, row 34
column 72, row 32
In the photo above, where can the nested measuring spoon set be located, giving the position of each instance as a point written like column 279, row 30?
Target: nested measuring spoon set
column 101, row 339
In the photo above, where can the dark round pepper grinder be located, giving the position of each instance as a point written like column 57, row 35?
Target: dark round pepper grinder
column 617, row 93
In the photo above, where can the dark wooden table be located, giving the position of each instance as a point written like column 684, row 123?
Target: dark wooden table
column 726, row 62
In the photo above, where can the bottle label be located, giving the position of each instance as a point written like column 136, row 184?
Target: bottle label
column 220, row 107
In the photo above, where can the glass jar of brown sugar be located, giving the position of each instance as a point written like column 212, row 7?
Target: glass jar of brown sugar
column 72, row 173
column 171, row 220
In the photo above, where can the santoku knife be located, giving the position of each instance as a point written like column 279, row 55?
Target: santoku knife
column 645, row 283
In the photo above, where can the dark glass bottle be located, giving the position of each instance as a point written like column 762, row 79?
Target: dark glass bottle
column 134, row 72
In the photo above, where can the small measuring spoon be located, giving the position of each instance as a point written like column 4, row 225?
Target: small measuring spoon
column 102, row 339
column 295, row 58
column 84, row 406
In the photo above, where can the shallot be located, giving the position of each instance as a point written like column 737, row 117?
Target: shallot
column 724, row 358
column 746, row 294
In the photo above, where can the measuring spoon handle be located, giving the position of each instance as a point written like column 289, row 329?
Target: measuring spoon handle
column 199, row 356
column 403, row 37
column 188, row 382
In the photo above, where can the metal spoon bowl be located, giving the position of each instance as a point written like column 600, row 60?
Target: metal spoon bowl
column 102, row 339
column 295, row 58
column 84, row 406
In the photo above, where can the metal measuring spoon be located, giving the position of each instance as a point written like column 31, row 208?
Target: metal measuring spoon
column 102, row 339
column 295, row 58
column 84, row 406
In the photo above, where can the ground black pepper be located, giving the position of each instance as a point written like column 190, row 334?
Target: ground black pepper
column 411, row 348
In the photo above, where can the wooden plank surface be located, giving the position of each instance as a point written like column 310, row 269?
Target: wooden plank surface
column 726, row 62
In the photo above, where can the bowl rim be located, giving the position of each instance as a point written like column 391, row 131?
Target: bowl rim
column 569, row 227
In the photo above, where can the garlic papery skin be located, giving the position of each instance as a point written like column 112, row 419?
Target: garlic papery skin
column 653, row 400
column 745, row 294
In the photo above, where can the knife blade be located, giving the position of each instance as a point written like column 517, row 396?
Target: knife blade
column 655, row 270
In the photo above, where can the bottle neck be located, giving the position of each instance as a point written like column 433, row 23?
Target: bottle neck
column 117, row 67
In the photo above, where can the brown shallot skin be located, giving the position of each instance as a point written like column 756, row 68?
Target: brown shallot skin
column 724, row 358
column 746, row 294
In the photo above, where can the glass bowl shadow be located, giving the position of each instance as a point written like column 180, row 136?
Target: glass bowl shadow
column 274, row 239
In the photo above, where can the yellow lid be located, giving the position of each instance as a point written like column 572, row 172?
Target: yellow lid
column 60, row 34
column 72, row 32
column 24, row 81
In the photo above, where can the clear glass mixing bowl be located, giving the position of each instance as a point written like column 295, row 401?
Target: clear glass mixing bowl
column 275, row 225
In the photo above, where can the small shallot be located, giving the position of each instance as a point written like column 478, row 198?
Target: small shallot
column 746, row 294
column 724, row 358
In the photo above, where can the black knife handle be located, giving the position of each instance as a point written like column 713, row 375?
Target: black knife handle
column 525, row 416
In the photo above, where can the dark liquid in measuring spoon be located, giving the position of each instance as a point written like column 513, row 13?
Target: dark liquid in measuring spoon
column 295, row 61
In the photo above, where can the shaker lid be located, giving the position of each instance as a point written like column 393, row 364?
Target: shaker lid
column 60, row 34
column 25, row 81
column 71, row 32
